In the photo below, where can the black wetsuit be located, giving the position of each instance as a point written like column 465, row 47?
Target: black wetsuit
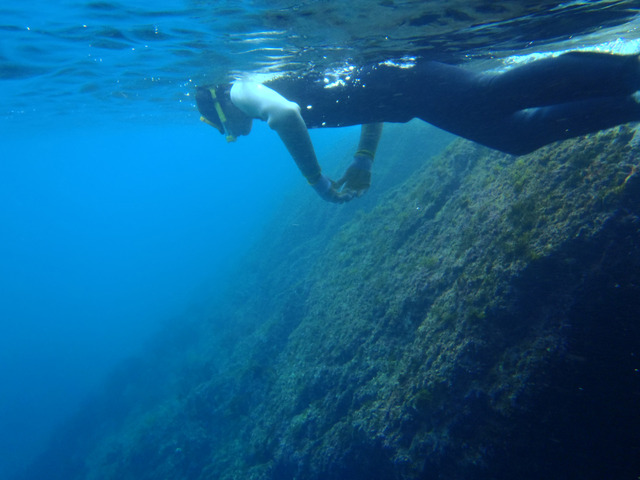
column 515, row 112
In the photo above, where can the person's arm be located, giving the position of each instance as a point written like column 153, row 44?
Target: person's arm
column 357, row 179
column 283, row 116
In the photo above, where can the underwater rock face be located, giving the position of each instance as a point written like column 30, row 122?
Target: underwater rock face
column 479, row 321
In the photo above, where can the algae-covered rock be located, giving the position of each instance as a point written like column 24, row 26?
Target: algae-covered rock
column 481, row 322
column 476, row 318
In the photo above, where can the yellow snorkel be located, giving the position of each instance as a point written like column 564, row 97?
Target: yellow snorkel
column 223, row 118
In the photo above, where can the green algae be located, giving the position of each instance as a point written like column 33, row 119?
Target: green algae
column 418, row 326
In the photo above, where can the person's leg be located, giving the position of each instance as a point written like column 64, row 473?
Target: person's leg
column 567, row 78
column 533, row 105
column 529, row 129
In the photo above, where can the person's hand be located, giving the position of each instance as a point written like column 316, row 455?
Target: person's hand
column 357, row 179
column 327, row 189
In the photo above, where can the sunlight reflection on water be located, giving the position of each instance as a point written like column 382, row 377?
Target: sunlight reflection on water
column 139, row 59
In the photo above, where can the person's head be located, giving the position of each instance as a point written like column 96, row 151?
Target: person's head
column 217, row 110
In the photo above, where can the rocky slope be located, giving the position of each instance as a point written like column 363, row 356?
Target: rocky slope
column 475, row 316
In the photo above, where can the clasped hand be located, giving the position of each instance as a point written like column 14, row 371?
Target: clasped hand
column 354, row 183
column 356, row 180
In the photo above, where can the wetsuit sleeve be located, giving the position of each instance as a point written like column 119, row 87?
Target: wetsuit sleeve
column 369, row 137
column 283, row 116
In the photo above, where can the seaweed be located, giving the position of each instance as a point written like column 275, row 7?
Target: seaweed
column 474, row 309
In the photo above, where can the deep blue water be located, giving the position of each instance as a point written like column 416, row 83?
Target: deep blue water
column 107, row 233
column 119, row 211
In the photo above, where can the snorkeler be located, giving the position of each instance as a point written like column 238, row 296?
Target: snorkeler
column 515, row 112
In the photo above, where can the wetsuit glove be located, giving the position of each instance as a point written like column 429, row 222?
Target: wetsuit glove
column 357, row 179
column 326, row 188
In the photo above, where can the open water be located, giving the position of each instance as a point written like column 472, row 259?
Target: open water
column 118, row 208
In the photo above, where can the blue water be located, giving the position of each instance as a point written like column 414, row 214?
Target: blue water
column 107, row 233
column 119, row 211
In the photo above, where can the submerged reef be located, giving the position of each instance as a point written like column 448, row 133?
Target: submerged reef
column 475, row 316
